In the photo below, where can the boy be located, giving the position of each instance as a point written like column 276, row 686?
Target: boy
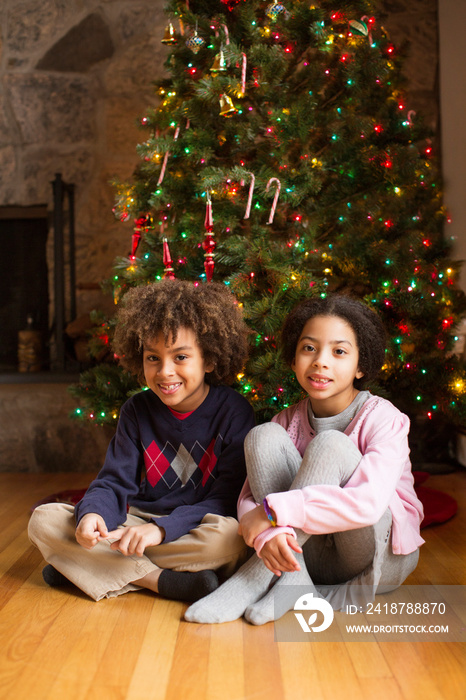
column 161, row 513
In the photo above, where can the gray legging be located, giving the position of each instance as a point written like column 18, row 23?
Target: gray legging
column 275, row 465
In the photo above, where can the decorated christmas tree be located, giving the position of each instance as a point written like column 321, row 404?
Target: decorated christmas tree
column 282, row 158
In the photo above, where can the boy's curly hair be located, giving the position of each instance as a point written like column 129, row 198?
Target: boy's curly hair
column 367, row 327
column 209, row 310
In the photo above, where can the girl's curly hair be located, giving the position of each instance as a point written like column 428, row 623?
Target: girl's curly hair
column 367, row 327
column 209, row 310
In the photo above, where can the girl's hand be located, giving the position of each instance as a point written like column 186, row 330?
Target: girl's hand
column 91, row 529
column 277, row 554
column 252, row 524
column 134, row 540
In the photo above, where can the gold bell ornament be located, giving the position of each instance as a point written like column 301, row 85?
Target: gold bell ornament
column 169, row 36
column 219, row 65
column 227, row 108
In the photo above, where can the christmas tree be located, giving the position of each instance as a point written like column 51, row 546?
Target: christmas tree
column 282, row 158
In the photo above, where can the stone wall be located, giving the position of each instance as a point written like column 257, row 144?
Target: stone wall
column 75, row 75
column 37, row 435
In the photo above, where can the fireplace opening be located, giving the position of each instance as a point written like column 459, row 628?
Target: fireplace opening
column 24, row 296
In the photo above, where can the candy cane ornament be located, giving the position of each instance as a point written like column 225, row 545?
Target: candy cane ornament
column 243, row 75
column 165, row 158
column 251, row 190
column 369, row 33
column 275, row 199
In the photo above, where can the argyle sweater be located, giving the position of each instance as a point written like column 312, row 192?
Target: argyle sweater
column 180, row 469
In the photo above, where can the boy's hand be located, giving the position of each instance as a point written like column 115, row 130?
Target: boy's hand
column 252, row 524
column 277, row 554
column 91, row 529
column 134, row 540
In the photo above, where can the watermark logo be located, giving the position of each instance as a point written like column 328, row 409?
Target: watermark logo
column 350, row 613
column 308, row 603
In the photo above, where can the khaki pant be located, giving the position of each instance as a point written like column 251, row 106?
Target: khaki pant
column 104, row 573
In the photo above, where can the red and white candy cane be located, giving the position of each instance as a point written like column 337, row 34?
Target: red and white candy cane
column 165, row 159
column 225, row 29
column 243, row 74
column 275, row 199
column 369, row 33
column 411, row 114
column 251, row 190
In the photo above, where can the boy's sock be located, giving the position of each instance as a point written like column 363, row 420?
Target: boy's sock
column 282, row 596
column 186, row 585
column 53, row 577
column 230, row 601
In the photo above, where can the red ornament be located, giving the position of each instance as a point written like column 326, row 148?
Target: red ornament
column 209, row 243
column 142, row 223
column 230, row 3
column 167, row 261
column 136, row 237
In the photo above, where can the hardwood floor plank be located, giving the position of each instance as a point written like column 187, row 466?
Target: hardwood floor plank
column 188, row 674
column 117, row 664
column 262, row 672
column 103, row 656
column 368, row 660
column 336, row 672
column 17, row 563
column 45, row 664
column 448, row 670
column 414, row 677
column 299, row 671
column 225, row 674
column 152, row 669
column 375, row 689
column 24, row 622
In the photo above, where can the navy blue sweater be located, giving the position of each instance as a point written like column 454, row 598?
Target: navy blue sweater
column 182, row 469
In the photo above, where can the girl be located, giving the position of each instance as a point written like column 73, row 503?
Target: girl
column 329, row 502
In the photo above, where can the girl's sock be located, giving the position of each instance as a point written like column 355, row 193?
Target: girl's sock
column 188, row 586
column 230, row 601
column 282, row 596
column 52, row 577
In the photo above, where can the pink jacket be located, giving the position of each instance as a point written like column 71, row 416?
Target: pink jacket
column 382, row 479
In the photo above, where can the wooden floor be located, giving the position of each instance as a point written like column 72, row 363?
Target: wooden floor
column 59, row 645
